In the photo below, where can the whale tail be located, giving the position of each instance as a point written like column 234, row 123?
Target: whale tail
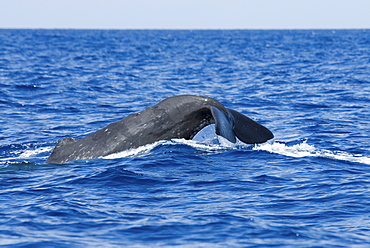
column 233, row 123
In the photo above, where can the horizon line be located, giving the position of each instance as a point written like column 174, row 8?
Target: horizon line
column 179, row 29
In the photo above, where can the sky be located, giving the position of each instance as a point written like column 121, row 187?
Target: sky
column 185, row 14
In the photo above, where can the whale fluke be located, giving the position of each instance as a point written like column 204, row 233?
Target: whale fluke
column 249, row 131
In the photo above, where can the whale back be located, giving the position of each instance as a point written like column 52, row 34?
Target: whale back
column 175, row 117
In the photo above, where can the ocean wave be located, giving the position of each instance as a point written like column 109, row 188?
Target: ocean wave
column 306, row 150
column 146, row 149
column 31, row 152
column 210, row 143
column 61, row 83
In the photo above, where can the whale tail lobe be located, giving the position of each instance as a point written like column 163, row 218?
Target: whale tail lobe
column 233, row 123
column 249, row 131
column 224, row 125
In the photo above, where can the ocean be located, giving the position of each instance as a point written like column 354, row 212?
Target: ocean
column 308, row 187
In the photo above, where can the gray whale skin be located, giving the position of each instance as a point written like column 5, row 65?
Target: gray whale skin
column 175, row 117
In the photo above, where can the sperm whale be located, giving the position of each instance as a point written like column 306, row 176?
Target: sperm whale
column 175, row 117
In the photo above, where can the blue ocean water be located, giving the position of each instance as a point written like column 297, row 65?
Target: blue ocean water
column 309, row 187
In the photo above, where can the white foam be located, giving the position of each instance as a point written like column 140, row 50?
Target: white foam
column 305, row 150
column 135, row 151
column 146, row 149
column 33, row 153
column 24, row 155
column 205, row 146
